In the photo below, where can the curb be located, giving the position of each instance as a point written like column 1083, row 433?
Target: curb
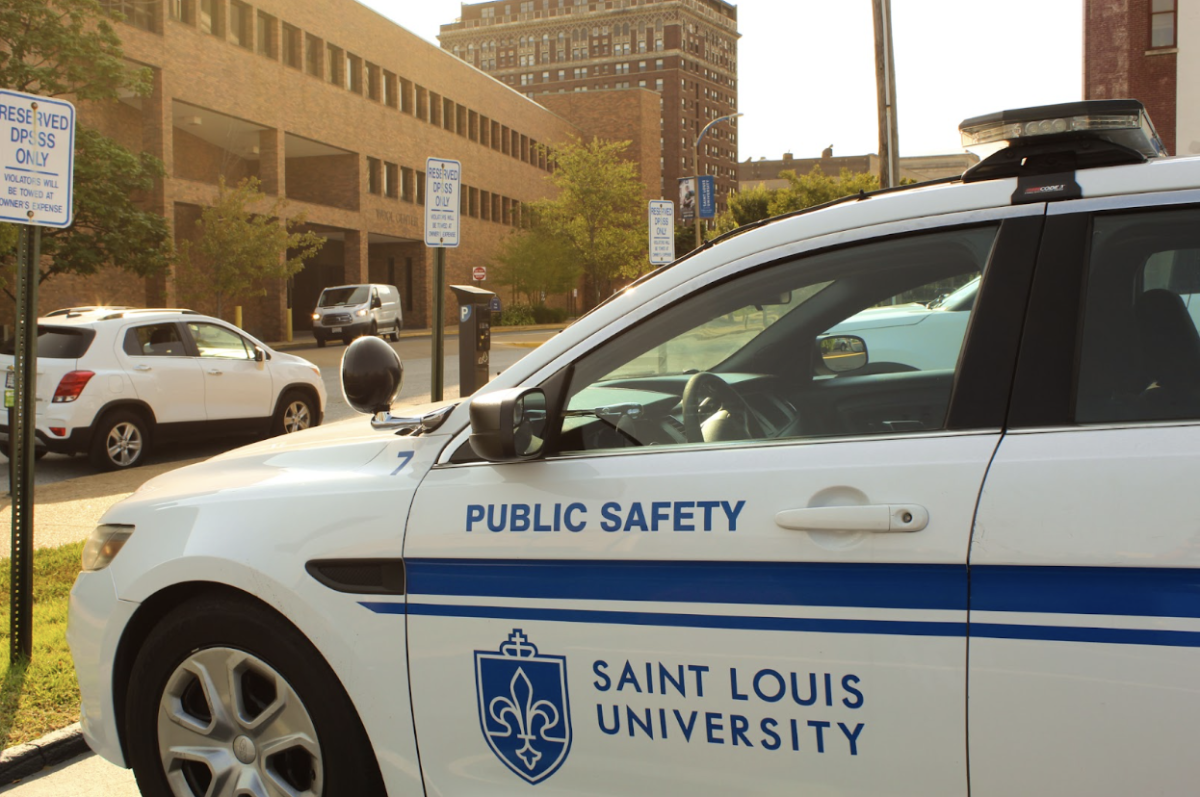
column 32, row 757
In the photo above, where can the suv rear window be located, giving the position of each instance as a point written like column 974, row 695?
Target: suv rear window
column 57, row 343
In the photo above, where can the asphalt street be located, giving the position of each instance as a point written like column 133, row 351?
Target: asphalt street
column 92, row 776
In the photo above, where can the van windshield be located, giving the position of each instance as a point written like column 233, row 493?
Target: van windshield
column 354, row 294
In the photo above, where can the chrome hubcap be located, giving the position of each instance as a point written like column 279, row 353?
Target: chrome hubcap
column 296, row 417
column 124, row 443
column 230, row 725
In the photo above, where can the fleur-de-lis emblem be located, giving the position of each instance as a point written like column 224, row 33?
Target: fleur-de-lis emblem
column 523, row 707
column 525, row 712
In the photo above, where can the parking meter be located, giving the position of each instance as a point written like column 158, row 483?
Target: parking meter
column 474, row 337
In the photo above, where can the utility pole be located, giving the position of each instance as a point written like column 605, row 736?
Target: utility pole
column 885, row 89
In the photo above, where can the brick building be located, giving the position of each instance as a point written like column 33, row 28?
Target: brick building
column 1148, row 50
column 919, row 167
column 685, row 50
column 335, row 108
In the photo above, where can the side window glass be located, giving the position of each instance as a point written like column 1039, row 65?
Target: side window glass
column 154, row 340
column 219, row 342
column 1139, row 357
column 849, row 342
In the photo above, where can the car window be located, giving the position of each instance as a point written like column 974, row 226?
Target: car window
column 154, row 340
column 741, row 360
column 219, row 342
column 1139, row 357
column 63, row 343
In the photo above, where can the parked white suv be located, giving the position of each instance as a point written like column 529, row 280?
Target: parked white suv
column 112, row 382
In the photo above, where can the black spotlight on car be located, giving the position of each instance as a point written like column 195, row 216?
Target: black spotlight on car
column 371, row 375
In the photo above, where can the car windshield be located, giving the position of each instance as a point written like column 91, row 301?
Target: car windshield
column 337, row 297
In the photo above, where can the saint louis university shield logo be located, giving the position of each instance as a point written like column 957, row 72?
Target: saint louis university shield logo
column 523, row 707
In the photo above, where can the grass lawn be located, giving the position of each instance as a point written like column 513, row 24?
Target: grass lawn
column 43, row 695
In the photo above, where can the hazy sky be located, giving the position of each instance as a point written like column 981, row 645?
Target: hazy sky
column 806, row 72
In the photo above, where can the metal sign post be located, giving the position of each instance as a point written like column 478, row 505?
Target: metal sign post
column 443, row 182
column 37, row 163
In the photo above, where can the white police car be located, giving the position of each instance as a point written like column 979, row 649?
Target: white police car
column 694, row 546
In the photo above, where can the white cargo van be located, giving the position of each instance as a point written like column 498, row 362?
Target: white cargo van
column 348, row 311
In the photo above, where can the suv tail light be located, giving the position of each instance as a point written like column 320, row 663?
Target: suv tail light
column 71, row 386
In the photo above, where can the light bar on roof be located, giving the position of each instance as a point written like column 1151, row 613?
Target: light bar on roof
column 1123, row 122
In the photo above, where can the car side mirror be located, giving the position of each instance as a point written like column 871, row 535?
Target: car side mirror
column 509, row 425
column 376, row 303
column 259, row 354
column 842, row 353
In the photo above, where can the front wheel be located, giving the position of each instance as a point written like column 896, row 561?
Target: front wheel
column 396, row 333
column 121, row 441
column 296, row 413
column 228, row 698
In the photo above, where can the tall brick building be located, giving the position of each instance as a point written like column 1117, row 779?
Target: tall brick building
column 1148, row 50
column 685, row 50
column 335, row 108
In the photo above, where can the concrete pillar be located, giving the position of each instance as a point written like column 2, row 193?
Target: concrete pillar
column 272, row 162
column 355, row 257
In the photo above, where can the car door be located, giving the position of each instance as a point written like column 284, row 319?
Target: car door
column 236, row 386
column 163, row 372
column 1085, row 566
column 752, row 588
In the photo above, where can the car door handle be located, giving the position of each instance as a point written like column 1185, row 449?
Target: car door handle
column 878, row 518
column 142, row 368
column 215, row 371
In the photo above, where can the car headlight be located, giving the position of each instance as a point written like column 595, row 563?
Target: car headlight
column 316, row 316
column 361, row 313
column 103, row 545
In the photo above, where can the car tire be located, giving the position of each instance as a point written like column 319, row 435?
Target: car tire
column 266, row 686
column 347, row 339
column 374, row 329
column 121, row 440
column 296, row 413
column 396, row 333
column 320, row 343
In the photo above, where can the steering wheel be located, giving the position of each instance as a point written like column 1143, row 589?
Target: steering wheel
column 706, row 385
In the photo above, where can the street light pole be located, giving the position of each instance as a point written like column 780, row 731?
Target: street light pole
column 696, row 166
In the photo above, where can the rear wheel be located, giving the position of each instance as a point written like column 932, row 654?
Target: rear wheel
column 296, row 412
column 229, row 698
column 121, row 440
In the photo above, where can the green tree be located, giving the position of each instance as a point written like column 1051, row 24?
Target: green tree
column 535, row 261
column 237, row 250
column 816, row 188
column 68, row 48
column 599, row 213
column 746, row 207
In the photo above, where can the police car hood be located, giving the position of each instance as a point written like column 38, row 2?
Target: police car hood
column 329, row 453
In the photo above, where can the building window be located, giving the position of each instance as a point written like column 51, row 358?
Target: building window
column 137, row 14
column 334, row 65
column 291, row 46
column 354, row 73
column 407, row 184
column 239, row 23
column 1163, row 15
column 212, row 17
column 314, row 49
column 267, row 25
column 184, row 11
column 374, row 175
column 420, row 181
